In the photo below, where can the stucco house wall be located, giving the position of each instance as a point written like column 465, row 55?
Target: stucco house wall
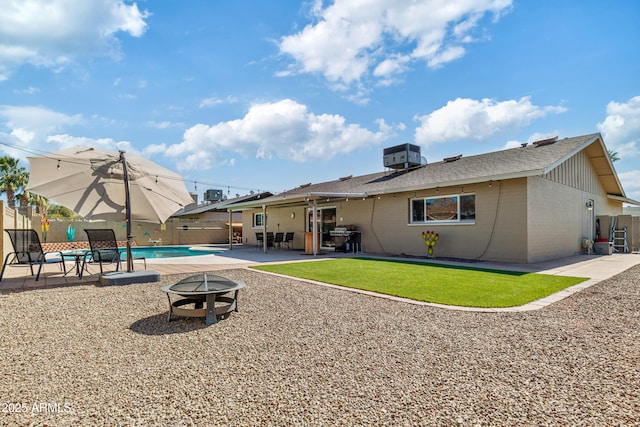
column 278, row 220
column 520, row 220
column 498, row 231
column 559, row 220
column 530, row 202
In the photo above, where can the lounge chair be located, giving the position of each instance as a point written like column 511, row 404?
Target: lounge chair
column 27, row 250
column 104, row 249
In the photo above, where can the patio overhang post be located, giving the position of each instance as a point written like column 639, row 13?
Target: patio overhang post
column 314, row 227
column 127, row 203
column 265, row 243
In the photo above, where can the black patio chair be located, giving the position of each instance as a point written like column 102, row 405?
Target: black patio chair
column 260, row 239
column 278, row 239
column 104, row 249
column 288, row 240
column 27, row 250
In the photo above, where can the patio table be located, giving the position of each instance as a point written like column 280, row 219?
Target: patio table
column 78, row 256
column 201, row 289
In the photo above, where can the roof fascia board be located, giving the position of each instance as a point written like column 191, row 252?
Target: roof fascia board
column 595, row 138
column 332, row 195
column 623, row 199
column 275, row 200
column 461, row 182
column 571, row 154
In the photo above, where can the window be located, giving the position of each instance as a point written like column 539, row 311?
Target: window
column 457, row 208
column 258, row 220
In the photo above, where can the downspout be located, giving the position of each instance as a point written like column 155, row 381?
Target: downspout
column 372, row 228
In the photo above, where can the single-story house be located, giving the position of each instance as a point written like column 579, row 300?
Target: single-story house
column 527, row 204
column 216, row 216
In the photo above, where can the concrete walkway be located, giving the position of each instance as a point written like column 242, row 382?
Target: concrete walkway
column 596, row 268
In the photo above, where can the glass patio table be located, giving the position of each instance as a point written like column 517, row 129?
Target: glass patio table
column 201, row 289
column 78, row 256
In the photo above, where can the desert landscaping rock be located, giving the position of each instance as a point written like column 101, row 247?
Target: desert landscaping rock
column 302, row 354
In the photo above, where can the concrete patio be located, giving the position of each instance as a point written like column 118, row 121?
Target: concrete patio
column 596, row 268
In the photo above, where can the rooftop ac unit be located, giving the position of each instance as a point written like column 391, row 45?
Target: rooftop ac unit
column 402, row 156
column 213, row 195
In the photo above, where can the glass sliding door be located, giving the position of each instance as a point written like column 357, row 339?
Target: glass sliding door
column 326, row 219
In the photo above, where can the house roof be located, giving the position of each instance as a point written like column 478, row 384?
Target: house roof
column 534, row 159
column 221, row 205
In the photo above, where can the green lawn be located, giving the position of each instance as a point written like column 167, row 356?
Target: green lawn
column 437, row 283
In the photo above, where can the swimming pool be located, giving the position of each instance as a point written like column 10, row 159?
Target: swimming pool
column 170, row 251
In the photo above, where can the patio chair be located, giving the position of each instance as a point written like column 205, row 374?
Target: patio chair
column 104, row 249
column 277, row 240
column 27, row 250
column 288, row 240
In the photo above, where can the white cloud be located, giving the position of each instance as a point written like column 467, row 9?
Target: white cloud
column 37, row 119
column 283, row 129
column 351, row 38
column 42, row 129
column 52, row 33
column 31, row 90
column 466, row 118
column 213, row 101
column 537, row 136
column 29, row 127
column 23, row 135
column 621, row 127
column 630, row 181
column 68, row 141
column 164, row 124
column 152, row 149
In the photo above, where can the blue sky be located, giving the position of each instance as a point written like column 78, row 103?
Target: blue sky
column 254, row 95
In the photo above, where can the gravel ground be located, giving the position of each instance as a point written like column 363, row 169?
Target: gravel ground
column 304, row 354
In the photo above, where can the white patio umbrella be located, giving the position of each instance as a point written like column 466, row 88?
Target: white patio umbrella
column 107, row 185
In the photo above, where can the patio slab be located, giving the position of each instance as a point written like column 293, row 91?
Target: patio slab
column 596, row 268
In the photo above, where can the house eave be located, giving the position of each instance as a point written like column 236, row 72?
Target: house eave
column 611, row 172
column 623, row 199
column 460, row 182
column 284, row 200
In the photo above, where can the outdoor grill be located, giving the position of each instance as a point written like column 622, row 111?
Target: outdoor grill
column 346, row 239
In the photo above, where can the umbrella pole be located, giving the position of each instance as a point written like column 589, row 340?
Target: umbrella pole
column 127, row 203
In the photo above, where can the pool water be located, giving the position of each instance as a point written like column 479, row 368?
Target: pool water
column 170, row 251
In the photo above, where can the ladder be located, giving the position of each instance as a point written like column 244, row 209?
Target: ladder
column 618, row 238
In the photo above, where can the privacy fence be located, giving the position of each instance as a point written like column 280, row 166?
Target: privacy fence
column 173, row 232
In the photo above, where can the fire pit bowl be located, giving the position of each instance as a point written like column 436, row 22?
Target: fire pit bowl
column 209, row 296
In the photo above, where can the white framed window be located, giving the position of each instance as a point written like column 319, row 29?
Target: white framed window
column 258, row 220
column 457, row 208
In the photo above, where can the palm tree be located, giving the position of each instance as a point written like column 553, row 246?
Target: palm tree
column 12, row 178
column 40, row 203
column 613, row 156
column 61, row 212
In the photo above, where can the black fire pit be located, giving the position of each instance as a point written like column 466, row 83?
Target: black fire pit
column 203, row 291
